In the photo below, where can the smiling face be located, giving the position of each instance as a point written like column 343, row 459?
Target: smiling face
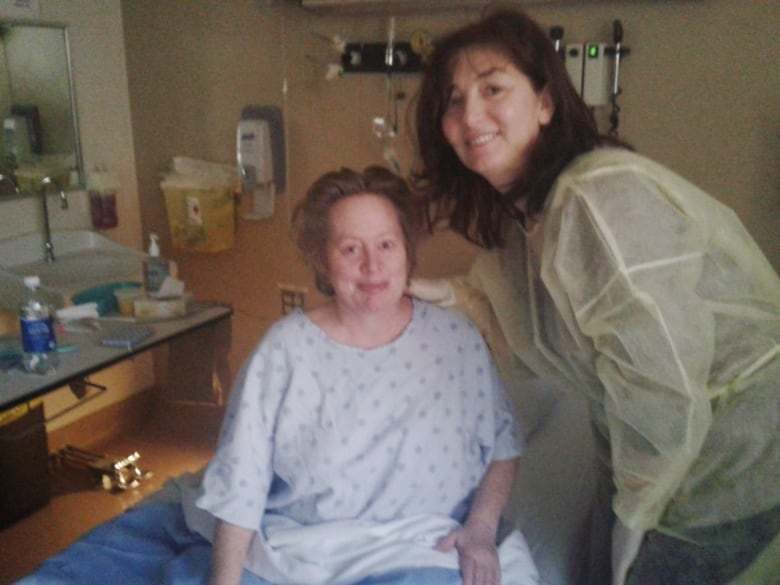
column 493, row 115
column 366, row 255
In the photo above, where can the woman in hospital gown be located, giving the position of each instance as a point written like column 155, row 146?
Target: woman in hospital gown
column 369, row 437
column 612, row 276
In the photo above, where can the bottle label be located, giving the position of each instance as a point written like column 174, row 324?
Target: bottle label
column 38, row 335
column 156, row 272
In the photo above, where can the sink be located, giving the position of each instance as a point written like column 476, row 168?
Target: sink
column 84, row 259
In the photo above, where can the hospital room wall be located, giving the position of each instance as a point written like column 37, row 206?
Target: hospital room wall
column 700, row 94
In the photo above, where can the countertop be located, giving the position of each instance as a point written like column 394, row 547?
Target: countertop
column 82, row 354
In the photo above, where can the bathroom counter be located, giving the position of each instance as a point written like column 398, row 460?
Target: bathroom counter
column 88, row 356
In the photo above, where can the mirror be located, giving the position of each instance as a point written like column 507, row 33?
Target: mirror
column 37, row 108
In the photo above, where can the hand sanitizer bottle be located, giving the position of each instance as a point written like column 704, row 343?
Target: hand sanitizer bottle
column 36, row 320
column 156, row 268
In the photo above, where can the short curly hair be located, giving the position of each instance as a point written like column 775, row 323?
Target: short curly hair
column 311, row 217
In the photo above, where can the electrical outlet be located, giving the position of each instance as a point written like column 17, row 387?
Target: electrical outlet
column 292, row 297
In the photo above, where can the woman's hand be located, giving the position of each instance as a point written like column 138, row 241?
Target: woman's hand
column 475, row 541
column 477, row 553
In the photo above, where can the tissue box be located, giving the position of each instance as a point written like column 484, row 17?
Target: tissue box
column 151, row 307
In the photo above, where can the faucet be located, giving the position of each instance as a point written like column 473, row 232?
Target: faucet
column 7, row 179
column 48, row 246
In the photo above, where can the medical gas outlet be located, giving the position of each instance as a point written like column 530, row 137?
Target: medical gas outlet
column 595, row 77
column 589, row 69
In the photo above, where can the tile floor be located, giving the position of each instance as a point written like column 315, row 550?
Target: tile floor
column 178, row 439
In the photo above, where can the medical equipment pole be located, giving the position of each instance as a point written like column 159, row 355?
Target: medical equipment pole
column 617, row 37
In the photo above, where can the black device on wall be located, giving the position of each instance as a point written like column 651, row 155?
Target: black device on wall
column 371, row 58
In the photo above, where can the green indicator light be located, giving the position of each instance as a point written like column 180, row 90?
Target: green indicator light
column 593, row 51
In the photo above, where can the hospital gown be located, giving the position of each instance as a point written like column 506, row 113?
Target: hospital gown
column 649, row 296
column 318, row 432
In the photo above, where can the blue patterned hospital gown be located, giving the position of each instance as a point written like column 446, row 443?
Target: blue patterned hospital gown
column 318, row 431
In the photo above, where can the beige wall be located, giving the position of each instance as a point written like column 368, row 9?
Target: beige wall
column 700, row 94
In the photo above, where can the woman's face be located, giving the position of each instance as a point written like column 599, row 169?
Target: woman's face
column 366, row 254
column 493, row 115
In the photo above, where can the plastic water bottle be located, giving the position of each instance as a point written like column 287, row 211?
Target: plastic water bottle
column 36, row 320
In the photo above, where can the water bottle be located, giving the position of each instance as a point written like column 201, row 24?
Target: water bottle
column 36, row 321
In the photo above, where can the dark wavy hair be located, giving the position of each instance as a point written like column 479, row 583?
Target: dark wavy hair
column 311, row 217
column 464, row 199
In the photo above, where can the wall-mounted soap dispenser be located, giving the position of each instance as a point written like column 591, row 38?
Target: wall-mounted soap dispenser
column 260, row 157
column 102, row 187
column 255, row 160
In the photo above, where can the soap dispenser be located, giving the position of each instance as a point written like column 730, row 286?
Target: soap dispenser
column 102, row 187
column 156, row 268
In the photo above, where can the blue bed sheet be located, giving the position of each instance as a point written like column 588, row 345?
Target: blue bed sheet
column 153, row 545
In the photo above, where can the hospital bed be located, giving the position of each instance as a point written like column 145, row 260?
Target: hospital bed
column 550, row 502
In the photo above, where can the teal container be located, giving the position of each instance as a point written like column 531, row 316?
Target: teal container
column 103, row 296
